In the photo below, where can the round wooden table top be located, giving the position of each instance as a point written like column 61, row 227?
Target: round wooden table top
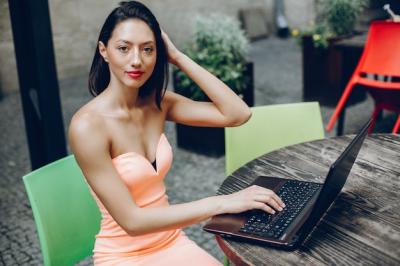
column 362, row 226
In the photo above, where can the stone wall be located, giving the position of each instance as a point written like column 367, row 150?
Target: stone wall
column 76, row 24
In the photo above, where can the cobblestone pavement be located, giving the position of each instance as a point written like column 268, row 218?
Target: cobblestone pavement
column 277, row 80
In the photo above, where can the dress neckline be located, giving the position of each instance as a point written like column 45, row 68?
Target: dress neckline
column 133, row 153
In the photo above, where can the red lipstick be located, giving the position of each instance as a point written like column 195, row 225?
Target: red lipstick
column 135, row 74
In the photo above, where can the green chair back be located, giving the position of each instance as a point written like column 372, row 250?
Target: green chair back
column 66, row 215
column 271, row 127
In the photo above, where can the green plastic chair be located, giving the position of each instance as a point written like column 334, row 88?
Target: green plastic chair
column 66, row 215
column 270, row 128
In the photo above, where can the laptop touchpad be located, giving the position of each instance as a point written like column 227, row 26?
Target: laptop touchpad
column 273, row 183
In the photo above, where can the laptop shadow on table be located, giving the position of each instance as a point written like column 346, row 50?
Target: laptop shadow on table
column 341, row 219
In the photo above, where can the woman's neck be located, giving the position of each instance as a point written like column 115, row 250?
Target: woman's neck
column 124, row 97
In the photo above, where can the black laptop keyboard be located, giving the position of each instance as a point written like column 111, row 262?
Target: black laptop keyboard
column 295, row 194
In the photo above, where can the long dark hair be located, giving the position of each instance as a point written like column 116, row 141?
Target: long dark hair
column 99, row 76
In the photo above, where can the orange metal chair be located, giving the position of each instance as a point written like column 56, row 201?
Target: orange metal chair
column 380, row 58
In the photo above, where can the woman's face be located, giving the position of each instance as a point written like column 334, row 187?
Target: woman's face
column 131, row 53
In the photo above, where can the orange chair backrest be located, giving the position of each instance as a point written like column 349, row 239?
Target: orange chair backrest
column 382, row 51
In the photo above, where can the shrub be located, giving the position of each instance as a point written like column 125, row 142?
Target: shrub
column 335, row 18
column 220, row 46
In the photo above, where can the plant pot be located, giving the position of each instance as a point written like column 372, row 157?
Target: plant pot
column 207, row 140
column 318, row 63
column 323, row 74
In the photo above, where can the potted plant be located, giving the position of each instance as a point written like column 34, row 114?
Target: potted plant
column 335, row 20
column 219, row 45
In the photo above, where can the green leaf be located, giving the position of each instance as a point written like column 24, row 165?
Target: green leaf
column 220, row 46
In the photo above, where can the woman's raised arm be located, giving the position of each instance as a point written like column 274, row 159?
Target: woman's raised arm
column 226, row 109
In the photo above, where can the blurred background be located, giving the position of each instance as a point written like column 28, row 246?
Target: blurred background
column 276, row 35
column 76, row 24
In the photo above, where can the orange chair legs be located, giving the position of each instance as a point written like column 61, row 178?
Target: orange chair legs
column 396, row 126
column 375, row 115
column 340, row 105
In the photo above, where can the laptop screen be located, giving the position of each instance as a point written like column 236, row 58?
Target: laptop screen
column 336, row 178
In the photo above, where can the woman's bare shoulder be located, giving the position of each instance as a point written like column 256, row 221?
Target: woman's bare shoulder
column 88, row 119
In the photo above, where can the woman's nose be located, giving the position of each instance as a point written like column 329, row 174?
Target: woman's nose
column 136, row 60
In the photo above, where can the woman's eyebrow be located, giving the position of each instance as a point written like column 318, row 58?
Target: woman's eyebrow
column 143, row 43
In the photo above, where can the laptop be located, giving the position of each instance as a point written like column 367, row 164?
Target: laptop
column 306, row 203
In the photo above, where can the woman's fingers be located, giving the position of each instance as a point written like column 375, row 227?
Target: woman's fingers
column 279, row 200
column 254, row 197
column 165, row 37
column 263, row 207
column 166, row 40
column 270, row 200
column 172, row 51
column 267, row 196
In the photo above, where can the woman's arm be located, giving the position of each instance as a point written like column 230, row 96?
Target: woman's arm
column 90, row 145
column 226, row 108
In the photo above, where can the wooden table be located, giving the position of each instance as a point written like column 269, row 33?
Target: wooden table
column 361, row 228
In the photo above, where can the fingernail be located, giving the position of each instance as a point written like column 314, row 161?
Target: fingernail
column 280, row 208
column 283, row 205
column 273, row 212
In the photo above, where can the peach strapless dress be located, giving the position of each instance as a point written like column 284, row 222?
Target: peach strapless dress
column 114, row 246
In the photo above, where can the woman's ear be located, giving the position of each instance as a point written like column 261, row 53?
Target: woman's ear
column 103, row 51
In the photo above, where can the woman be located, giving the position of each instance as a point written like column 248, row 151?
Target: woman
column 118, row 141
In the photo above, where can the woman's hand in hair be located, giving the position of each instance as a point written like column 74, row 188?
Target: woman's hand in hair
column 173, row 52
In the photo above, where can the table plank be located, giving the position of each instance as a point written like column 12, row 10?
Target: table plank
column 362, row 227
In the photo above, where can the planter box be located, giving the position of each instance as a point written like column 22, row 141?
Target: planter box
column 323, row 73
column 206, row 140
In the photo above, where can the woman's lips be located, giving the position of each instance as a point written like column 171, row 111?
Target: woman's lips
column 135, row 74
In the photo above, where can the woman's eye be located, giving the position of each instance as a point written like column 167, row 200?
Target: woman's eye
column 148, row 50
column 123, row 49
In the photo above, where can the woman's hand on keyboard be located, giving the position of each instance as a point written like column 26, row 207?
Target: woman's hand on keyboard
column 253, row 197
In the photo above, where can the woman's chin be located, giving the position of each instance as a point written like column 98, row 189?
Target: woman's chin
column 133, row 83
